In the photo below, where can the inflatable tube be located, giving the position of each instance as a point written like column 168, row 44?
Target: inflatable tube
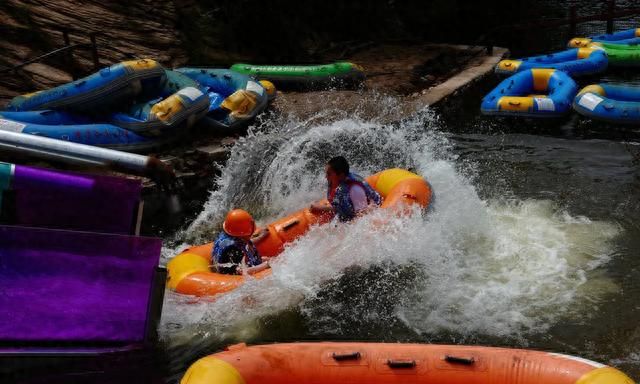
column 339, row 74
column 621, row 55
column 99, row 91
column 145, row 126
column 394, row 363
column 102, row 135
column 189, row 272
column 622, row 37
column 576, row 62
column 180, row 102
column 235, row 99
column 532, row 93
column 612, row 103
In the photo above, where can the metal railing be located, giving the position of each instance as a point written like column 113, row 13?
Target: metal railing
column 609, row 15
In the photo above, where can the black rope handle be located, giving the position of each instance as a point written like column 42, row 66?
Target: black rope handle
column 401, row 363
column 346, row 356
column 459, row 360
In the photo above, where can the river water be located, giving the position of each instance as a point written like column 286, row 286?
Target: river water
column 533, row 240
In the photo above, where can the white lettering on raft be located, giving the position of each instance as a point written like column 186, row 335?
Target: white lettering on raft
column 255, row 87
column 190, row 92
column 545, row 104
column 11, row 126
column 590, row 101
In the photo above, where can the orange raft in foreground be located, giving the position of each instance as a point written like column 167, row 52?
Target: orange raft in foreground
column 378, row 363
column 189, row 272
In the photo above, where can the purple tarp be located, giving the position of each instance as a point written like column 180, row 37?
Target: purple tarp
column 63, row 286
column 65, row 200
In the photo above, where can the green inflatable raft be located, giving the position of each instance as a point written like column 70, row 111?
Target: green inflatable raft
column 340, row 74
column 622, row 55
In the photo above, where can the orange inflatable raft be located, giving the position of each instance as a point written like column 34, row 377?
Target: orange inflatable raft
column 189, row 272
column 378, row 363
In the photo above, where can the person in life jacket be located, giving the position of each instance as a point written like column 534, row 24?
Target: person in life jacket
column 349, row 195
column 234, row 248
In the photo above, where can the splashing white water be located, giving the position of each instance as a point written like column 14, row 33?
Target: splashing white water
column 500, row 268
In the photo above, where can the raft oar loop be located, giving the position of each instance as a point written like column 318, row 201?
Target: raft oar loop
column 459, row 360
column 401, row 363
column 514, row 103
column 346, row 356
column 290, row 224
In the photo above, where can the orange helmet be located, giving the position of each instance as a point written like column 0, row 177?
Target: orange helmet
column 239, row 223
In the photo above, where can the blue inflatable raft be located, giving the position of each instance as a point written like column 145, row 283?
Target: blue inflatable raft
column 235, row 98
column 629, row 36
column 575, row 62
column 99, row 91
column 612, row 103
column 178, row 103
column 532, row 93
column 103, row 135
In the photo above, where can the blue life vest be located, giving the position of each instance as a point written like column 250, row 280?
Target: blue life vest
column 225, row 242
column 341, row 201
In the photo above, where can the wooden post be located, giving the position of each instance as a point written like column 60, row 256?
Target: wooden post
column 94, row 52
column 611, row 6
column 69, row 54
column 572, row 21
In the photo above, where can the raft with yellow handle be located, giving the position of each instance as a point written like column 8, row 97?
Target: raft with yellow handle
column 532, row 93
column 189, row 272
column 380, row 363
column 235, row 99
column 575, row 62
column 622, row 37
column 612, row 103
column 97, row 92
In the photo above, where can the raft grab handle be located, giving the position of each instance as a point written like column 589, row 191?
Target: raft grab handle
column 459, row 360
column 346, row 356
column 401, row 363
column 290, row 224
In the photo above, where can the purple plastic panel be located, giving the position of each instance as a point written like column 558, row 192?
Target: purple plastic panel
column 53, row 199
column 64, row 286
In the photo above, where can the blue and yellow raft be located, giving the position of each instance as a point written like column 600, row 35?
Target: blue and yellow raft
column 541, row 92
column 628, row 36
column 138, row 105
column 99, row 91
column 612, row 103
column 576, row 62
column 169, row 104
column 235, row 99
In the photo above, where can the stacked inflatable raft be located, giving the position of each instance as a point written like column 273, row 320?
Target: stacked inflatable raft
column 531, row 92
column 136, row 106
